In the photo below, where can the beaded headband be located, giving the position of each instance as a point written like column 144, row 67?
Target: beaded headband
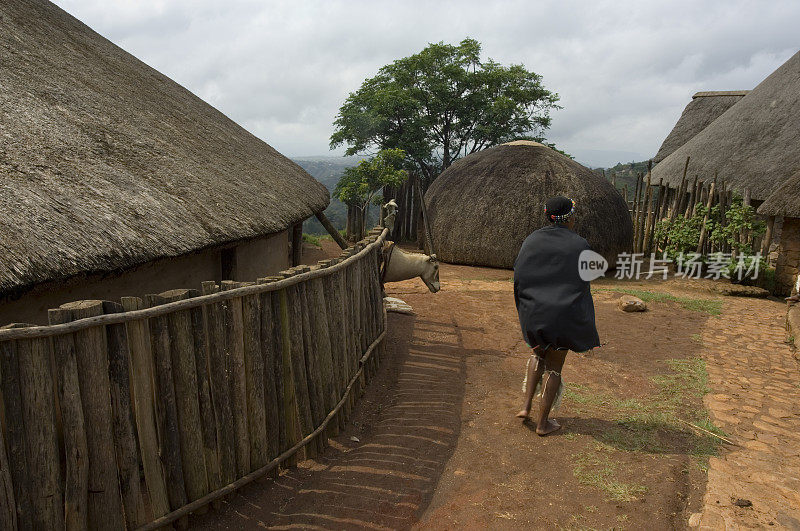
column 560, row 218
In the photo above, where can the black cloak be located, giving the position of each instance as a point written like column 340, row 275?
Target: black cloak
column 554, row 304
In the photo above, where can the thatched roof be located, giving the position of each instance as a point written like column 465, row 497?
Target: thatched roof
column 785, row 200
column 105, row 163
column 752, row 145
column 704, row 108
column 483, row 206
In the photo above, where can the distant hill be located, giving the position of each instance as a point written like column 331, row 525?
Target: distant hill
column 328, row 170
column 625, row 174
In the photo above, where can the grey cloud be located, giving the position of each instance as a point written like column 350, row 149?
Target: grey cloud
column 624, row 70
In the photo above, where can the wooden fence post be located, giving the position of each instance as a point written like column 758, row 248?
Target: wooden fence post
column 643, row 215
column 15, row 432
column 124, row 433
column 104, row 501
column 298, row 361
column 220, row 387
column 322, row 348
column 636, row 208
column 290, row 412
column 271, row 344
column 234, row 340
column 144, row 408
column 8, row 509
column 208, row 426
column 703, row 228
column 254, row 372
column 166, row 408
column 333, row 309
column 36, row 400
column 76, row 480
column 312, row 362
column 184, row 374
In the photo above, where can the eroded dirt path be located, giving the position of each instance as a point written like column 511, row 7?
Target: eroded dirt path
column 434, row 444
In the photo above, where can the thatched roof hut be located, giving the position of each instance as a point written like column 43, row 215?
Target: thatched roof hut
column 106, row 164
column 483, row 206
column 752, row 145
column 785, row 200
column 704, row 108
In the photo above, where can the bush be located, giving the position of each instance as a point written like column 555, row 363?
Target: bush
column 682, row 236
column 311, row 239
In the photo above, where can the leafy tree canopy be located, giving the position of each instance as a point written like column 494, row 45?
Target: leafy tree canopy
column 441, row 104
column 359, row 185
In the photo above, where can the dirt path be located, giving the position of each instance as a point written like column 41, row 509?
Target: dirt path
column 433, row 442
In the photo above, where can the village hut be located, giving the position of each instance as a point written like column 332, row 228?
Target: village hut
column 483, row 206
column 115, row 180
column 704, row 108
column 784, row 203
column 751, row 145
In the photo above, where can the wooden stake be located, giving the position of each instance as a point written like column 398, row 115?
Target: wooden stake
column 127, row 451
column 254, row 380
column 76, row 480
column 15, row 431
column 220, row 386
column 144, row 409
column 704, row 228
column 8, row 509
column 104, row 502
column 234, row 341
column 271, row 360
column 38, row 404
column 166, row 407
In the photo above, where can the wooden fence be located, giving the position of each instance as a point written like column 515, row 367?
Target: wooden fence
column 133, row 414
column 651, row 202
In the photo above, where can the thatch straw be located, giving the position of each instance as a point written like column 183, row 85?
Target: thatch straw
column 752, row 145
column 106, row 164
column 785, row 200
column 704, row 108
column 484, row 206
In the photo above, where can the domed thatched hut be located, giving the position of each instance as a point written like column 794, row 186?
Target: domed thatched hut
column 704, row 108
column 483, row 206
column 785, row 202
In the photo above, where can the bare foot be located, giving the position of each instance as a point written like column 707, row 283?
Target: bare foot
column 550, row 426
column 523, row 414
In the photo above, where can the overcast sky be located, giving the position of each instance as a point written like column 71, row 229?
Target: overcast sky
column 624, row 70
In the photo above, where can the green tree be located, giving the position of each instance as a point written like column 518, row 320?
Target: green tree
column 441, row 104
column 359, row 185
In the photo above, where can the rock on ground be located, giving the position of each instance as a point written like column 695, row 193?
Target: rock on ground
column 629, row 303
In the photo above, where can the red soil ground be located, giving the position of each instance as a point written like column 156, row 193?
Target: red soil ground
column 434, row 443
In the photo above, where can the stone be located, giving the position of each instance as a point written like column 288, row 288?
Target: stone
column 629, row 303
column 741, row 502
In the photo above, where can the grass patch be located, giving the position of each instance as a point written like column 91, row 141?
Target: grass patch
column 312, row 239
column 653, row 424
column 710, row 307
column 596, row 469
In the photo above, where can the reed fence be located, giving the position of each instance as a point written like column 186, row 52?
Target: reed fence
column 131, row 415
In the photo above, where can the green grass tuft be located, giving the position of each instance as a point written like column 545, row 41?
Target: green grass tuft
column 710, row 307
column 596, row 469
column 312, row 240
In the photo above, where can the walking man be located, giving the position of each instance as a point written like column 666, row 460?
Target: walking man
column 555, row 307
